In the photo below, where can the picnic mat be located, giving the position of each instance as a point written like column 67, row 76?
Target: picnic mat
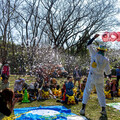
column 114, row 105
column 46, row 113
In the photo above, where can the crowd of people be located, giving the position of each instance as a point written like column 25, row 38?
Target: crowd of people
column 43, row 87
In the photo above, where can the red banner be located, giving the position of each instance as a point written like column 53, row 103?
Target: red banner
column 111, row 36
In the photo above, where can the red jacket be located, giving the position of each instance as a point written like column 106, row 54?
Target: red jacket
column 6, row 70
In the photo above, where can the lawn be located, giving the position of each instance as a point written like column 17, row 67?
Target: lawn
column 92, row 109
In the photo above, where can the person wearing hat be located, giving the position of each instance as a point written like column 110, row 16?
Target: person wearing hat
column 99, row 65
column 18, row 86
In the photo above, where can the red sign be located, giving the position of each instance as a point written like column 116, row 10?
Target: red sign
column 111, row 36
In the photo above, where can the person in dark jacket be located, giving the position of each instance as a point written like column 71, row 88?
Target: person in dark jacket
column 68, row 90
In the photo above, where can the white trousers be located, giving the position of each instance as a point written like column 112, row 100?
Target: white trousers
column 99, row 89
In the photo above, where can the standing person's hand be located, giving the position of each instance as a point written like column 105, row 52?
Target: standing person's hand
column 96, row 35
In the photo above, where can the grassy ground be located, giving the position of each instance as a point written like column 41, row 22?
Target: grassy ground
column 92, row 109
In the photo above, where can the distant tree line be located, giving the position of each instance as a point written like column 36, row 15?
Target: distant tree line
column 64, row 25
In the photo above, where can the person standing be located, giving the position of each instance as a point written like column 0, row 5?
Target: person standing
column 77, row 75
column 5, row 71
column 99, row 65
column 118, row 75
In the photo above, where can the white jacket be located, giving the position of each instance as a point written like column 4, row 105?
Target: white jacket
column 102, row 65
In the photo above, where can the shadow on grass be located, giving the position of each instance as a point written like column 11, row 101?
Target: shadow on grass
column 88, row 118
column 102, row 117
column 24, row 102
column 42, row 100
column 67, row 106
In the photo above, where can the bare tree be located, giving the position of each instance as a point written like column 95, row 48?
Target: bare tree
column 7, row 9
column 30, row 27
column 31, row 22
column 72, row 22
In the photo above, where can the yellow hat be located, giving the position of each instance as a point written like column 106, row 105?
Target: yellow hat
column 101, row 47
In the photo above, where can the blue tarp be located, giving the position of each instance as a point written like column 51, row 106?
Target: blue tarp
column 43, row 113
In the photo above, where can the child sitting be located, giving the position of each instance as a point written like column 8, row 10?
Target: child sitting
column 39, row 81
column 63, row 91
column 33, row 90
column 108, row 92
column 45, row 88
column 81, row 88
column 69, row 90
column 53, row 84
column 107, row 86
column 69, row 86
column 114, row 89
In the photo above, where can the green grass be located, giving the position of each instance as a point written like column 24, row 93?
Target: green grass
column 92, row 109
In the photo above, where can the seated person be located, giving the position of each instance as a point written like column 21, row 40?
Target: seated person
column 4, row 83
column 69, row 86
column 107, row 86
column 53, row 84
column 39, row 81
column 18, row 86
column 7, row 102
column 69, row 90
column 25, row 86
column 108, row 92
column 46, row 77
column 54, row 74
column 33, row 90
column 45, row 88
column 81, row 87
column 114, row 89
column 63, row 91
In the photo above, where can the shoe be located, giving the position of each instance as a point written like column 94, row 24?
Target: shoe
column 82, row 112
column 104, row 112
